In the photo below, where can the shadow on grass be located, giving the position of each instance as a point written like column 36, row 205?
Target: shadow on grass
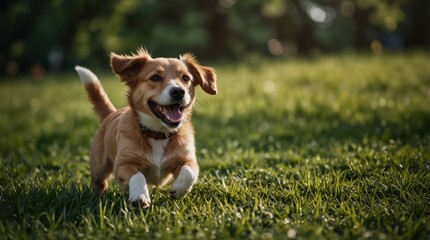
column 265, row 139
column 261, row 130
column 59, row 204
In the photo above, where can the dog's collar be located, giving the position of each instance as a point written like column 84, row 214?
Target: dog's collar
column 148, row 133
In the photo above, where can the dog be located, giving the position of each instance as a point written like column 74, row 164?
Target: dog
column 152, row 139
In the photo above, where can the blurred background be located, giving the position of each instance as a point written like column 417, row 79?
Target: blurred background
column 53, row 35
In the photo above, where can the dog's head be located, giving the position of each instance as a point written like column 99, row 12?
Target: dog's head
column 161, row 90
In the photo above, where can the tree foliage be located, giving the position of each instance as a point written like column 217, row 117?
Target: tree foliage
column 58, row 33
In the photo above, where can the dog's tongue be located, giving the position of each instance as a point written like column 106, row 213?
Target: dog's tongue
column 173, row 113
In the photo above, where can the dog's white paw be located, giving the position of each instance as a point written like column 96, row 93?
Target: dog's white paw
column 184, row 183
column 138, row 190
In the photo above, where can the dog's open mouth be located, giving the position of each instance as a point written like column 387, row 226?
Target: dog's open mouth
column 169, row 114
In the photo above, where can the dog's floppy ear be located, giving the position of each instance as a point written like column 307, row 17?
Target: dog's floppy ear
column 205, row 76
column 128, row 67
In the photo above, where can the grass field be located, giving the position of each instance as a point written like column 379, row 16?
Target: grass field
column 337, row 147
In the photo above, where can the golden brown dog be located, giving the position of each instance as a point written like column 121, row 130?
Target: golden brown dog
column 152, row 139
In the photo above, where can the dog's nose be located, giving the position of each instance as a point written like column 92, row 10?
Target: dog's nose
column 177, row 93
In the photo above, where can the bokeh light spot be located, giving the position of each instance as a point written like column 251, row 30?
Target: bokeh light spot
column 275, row 47
column 347, row 8
column 376, row 47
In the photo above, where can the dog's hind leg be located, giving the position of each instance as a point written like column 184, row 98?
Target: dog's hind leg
column 101, row 171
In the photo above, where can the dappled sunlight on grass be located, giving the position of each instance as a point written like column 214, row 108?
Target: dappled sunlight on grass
column 334, row 147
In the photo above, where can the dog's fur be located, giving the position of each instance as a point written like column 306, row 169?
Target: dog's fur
column 157, row 85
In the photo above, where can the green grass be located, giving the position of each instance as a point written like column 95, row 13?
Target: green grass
column 337, row 147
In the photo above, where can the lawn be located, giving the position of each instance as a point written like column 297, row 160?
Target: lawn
column 334, row 147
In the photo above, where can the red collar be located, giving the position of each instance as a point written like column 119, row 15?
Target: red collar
column 148, row 133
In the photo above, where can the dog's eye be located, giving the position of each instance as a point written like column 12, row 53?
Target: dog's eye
column 185, row 78
column 156, row 78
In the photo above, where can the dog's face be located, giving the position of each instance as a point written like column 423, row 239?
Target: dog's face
column 161, row 90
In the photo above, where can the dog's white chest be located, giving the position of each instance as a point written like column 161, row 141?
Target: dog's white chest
column 157, row 157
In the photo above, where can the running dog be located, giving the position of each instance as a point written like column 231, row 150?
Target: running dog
column 150, row 141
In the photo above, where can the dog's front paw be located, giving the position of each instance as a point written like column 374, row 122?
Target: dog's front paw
column 184, row 183
column 140, row 201
column 138, row 191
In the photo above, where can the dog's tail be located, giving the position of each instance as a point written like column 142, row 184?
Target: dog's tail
column 97, row 95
